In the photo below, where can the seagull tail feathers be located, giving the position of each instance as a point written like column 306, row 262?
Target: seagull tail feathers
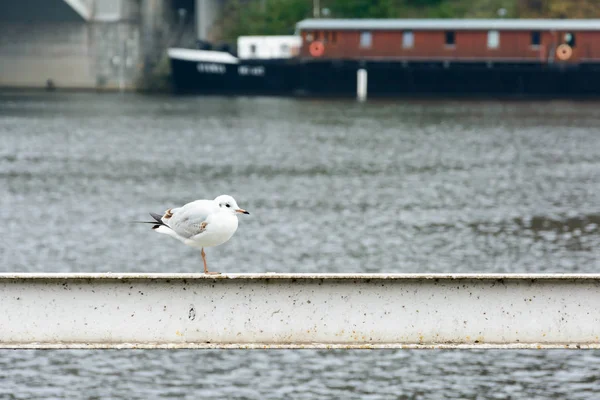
column 157, row 223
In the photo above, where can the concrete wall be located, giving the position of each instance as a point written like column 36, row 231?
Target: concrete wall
column 71, row 55
column 117, row 58
column 40, row 11
column 95, row 44
column 30, row 54
column 44, row 41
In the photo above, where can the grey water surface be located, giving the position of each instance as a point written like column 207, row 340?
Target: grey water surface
column 332, row 186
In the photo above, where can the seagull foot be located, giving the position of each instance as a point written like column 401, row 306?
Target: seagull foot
column 212, row 273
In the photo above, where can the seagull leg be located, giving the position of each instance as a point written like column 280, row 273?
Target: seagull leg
column 204, row 259
column 205, row 267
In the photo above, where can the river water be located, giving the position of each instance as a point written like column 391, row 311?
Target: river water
column 332, row 186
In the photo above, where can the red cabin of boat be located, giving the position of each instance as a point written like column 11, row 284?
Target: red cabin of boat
column 508, row 40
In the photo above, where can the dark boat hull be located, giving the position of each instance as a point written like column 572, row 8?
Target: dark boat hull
column 273, row 77
column 388, row 78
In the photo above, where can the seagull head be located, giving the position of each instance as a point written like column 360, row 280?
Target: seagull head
column 228, row 203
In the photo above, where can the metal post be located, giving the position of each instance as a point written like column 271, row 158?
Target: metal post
column 316, row 8
column 123, row 59
column 361, row 84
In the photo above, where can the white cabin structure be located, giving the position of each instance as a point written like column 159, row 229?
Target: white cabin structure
column 268, row 47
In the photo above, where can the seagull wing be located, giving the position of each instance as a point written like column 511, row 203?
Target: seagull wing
column 190, row 219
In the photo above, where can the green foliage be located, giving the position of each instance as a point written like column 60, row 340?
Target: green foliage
column 279, row 17
column 365, row 8
column 558, row 8
column 423, row 3
column 263, row 17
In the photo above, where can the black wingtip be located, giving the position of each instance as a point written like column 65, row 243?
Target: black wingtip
column 157, row 223
column 157, row 217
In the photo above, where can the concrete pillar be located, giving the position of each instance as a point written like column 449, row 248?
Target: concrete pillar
column 207, row 11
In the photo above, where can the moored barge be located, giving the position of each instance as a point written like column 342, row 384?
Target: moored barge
column 400, row 57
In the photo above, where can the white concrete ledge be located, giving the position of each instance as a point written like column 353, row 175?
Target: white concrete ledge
column 152, row 311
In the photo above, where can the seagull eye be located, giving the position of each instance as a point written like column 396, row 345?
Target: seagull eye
column 227, row 205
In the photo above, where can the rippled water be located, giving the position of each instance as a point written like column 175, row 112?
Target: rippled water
column 333, row 186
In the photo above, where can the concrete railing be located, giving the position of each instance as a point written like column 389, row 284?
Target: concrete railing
column 299, row 311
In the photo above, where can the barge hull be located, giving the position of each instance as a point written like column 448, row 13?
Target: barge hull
column 325, row 78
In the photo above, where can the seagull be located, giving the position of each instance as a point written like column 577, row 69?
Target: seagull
column 201, row 223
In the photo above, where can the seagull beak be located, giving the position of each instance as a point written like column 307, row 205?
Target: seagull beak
column 241, row 211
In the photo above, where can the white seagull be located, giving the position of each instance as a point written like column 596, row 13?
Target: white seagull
column 201, row 223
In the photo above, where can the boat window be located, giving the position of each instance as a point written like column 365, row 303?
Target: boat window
column 493, row 39
column 570, row 39
column 317, row 35
column 333, row 37
column 408, row 39
column 326, row 36
column 535, row 38
column 309, row 37
column 365, row 39
column 450, row 39
column 253, row 49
